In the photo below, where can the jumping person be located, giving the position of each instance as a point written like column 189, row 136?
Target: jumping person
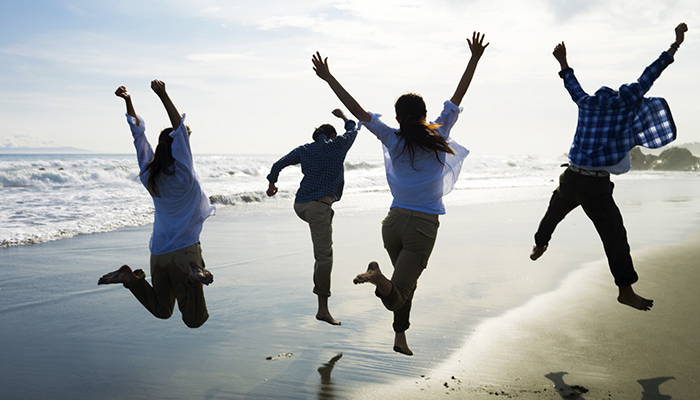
column 177, row 267
column 322, row 165
column 422, row 164
column 610, row 123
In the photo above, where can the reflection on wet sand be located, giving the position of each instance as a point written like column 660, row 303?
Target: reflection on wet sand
column 326, row 389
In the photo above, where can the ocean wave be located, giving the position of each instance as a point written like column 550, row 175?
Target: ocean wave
column 362, row 165
column 63, row 229
column 238, row 198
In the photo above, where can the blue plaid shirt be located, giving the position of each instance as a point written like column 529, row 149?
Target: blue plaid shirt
column 321, row 163
column 611, row 123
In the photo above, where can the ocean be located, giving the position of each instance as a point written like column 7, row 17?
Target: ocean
column 49, row 197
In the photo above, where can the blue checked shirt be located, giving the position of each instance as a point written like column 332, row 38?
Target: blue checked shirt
column 611, row 123
column 321, row 163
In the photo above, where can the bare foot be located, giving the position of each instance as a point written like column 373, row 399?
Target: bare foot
column 122, row 275
column 628, row 297
column 400, row 344
column 327, row 318
column 200, row 274
column 374, row 276
column 370, row 275
column 537, row 252
column 323, row 314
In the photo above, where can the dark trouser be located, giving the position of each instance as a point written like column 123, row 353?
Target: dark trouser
column 409, row 237
column 170, row 276
column 594, row 194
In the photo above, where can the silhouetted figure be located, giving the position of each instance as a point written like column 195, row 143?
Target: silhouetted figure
column 564, row 390
column 422, row 163
column 610, row 123
column 322, row 165
column 650, row 388
column 177, row 267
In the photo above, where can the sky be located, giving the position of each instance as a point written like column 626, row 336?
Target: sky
column 242, row 72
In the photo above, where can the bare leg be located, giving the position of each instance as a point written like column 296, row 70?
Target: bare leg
column 200, row 274
column 323, row 313
column 537, row 252
column 123, row 275
column 374, row 276
column 628, row 297
column 400, row 344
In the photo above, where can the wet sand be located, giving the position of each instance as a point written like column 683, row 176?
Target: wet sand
column 577, row 342
column 63, row 337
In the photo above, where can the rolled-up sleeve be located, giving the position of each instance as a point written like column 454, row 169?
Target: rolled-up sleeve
column 144, row 152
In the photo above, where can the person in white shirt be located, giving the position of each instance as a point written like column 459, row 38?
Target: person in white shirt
column 422, row 164
column 177, row 268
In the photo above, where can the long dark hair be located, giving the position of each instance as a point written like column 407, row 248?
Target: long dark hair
column 415, row 132
column 161, row 162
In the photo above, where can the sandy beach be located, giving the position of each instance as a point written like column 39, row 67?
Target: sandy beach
column 577, row 343
column 483, row 314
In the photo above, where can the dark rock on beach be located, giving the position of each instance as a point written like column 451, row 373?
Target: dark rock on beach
column 671, row 159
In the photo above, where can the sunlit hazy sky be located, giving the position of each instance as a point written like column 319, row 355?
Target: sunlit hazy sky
column 241, row 70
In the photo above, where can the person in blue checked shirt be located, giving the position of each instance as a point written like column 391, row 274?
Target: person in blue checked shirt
column 610, row 123
column 322, row 165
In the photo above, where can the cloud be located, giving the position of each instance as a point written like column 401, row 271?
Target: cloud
column 27, row 140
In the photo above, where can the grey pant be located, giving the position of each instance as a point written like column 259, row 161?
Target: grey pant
column 319, row 216
column 170, row 276
column 409, row 237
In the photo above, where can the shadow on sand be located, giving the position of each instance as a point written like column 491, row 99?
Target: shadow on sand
column 650, row 387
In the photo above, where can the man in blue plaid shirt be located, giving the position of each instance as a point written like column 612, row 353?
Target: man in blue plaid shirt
column 610, row 123
column 322, row 165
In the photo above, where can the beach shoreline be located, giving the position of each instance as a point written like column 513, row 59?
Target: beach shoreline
column 66, row 338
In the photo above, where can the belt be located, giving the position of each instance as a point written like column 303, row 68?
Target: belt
column 417, row 214
column 585, row 172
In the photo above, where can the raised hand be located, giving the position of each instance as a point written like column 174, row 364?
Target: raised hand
column 158, row 87
column 681, row 29
column 121, row 92
column 476, row 45
column 321, row 67
column 339, row 113
column 560, row 54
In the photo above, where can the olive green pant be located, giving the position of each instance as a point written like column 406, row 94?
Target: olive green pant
column 170, row 277
column 319, row 216
column 409, row 237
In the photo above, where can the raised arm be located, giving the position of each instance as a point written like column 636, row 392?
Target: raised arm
column 121, row 92
column 477, row 46
column 560, row 54
column 323, row 72
column 681, row 29
column 159, row 89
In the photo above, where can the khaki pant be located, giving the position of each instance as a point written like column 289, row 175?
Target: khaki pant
column 169, row 275
column 319, row 216
column 409, row 237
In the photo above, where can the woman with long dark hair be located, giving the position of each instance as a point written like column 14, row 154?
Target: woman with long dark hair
column 422, row 164
column 177, row 267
